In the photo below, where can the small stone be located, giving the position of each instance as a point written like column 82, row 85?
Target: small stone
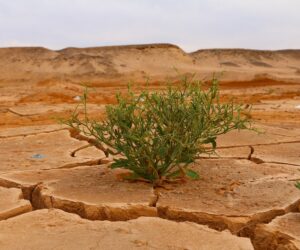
column 77, row 98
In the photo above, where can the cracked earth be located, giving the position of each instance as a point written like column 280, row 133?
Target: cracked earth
column 58, row 192
column 239, row 203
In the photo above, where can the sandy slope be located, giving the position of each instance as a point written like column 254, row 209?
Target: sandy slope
column 123, row 63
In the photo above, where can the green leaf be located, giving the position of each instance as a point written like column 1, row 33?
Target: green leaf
column 192, row 174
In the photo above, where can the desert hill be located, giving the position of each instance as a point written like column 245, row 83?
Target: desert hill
column 241, row 64
column 137, row 62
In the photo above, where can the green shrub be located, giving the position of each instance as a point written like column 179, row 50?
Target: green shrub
column 157, row 135
column 297, row 185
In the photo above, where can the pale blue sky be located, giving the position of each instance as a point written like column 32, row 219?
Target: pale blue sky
column 191, row 24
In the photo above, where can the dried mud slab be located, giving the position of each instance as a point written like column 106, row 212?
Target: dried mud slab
column 278, row 105
column 288, row 153
column 238, row 152
column 282, row 153
column 43, row 151
column 269, row 135
column 282, row 233
column 12, row 203
column 95, row 192
column 233, row 194
column 55, row 229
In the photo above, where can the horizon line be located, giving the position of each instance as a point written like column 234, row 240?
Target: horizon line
column 141, row 45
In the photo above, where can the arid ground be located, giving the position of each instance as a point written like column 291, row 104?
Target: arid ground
column 55, row 195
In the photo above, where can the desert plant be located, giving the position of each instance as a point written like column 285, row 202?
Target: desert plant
column 297, row 185
column 157, row 135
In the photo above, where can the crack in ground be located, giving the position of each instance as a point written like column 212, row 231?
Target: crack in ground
column 221, row 222
column 27, row 192
column 101, row 161
column 293, row 136
column 16, row 113
column 37, row 133
column 250, row 158
column 253, row 159
column 259, row 144
column 277, row 162
column 248, row 229
column 251, row 153
column 154, row 200
column 40, row 199
column 96, row 162
column 34, row 194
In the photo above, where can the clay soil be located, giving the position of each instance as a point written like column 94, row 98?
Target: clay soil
column 56, row 193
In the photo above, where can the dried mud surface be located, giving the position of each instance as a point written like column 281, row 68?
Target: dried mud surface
column 54, row 229
column 58, row 192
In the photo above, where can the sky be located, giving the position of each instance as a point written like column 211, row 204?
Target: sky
column 190, row 24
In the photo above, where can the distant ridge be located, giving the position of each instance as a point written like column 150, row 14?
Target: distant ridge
column 131, row 46
column 136, row 62
column 153, row 45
